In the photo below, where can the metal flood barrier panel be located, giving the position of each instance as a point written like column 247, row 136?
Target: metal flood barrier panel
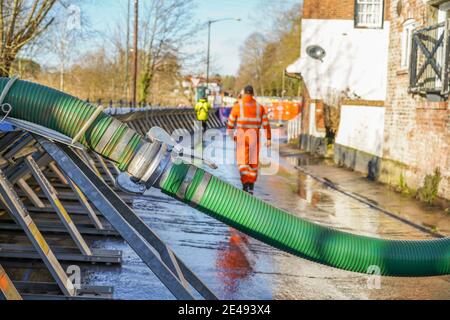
column 54, row 200
column 170, row 119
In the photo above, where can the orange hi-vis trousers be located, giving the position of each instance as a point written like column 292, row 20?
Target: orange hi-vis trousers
column 248, row 117
column 247, row 154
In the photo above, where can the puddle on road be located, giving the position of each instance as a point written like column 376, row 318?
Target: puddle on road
column 238, row 267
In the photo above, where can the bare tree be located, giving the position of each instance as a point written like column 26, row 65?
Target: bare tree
column 69, row 29
column 21, row 21
column 253, row 62
column 265, row 56
column 167, row 25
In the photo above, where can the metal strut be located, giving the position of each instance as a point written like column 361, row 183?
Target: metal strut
column 7, row 288
column 16, row 208
column 50, row 192
column 164, row 263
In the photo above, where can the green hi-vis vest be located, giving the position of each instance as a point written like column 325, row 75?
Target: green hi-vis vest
column 202, row 110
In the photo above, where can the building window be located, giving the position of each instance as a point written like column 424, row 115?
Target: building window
column 407, row 38
column 369, row 13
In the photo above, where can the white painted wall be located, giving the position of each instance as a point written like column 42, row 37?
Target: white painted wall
column 356, row 59
column 362, row 128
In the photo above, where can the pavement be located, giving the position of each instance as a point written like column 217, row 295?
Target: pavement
column 433, row 219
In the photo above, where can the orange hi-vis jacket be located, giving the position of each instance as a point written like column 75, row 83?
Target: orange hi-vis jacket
column 248, row 117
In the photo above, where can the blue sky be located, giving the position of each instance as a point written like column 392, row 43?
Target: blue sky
column 227, row 36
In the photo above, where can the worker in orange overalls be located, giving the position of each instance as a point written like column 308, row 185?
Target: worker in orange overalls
column 248, row 116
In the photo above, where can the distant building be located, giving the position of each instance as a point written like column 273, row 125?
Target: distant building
column 192, row 84
column 386, row 65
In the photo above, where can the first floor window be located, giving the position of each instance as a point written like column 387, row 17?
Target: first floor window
column 369, row 13
column 407, row 37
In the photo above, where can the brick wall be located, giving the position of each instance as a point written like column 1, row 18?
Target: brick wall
column 306, row 110
column 417, row 132
column 333, row 9
column 306, row 113
column 320, row 116
column 329, row 9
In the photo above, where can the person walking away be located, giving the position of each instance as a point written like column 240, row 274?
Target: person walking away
column 202, row 110
column 246, row 119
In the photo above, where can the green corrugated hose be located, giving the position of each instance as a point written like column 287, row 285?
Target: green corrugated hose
column 308, row 240
column 66, row 114
column 114, row 140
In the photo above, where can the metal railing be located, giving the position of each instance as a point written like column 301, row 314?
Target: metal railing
column 429, row 63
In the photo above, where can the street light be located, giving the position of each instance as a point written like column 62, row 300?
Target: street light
column 135, row 50
column 210, row 22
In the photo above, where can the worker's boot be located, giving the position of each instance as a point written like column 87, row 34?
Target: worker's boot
column 251, row 188
column 246, row 187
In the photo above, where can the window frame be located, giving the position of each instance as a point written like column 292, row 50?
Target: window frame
column 405, row 59
column 358, row 25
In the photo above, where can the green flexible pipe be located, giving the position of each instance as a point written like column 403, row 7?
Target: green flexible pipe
column 66, row 114
column 114, row 140
column 305, row 239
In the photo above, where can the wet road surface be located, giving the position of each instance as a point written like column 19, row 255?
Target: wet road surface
column 238, row 267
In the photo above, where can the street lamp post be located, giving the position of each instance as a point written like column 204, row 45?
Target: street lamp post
column 127, row 54
column 208, row 53
column 210, row 22
column 135, row 48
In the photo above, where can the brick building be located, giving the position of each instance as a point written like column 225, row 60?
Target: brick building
column 385, row 63
column 417, row 121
